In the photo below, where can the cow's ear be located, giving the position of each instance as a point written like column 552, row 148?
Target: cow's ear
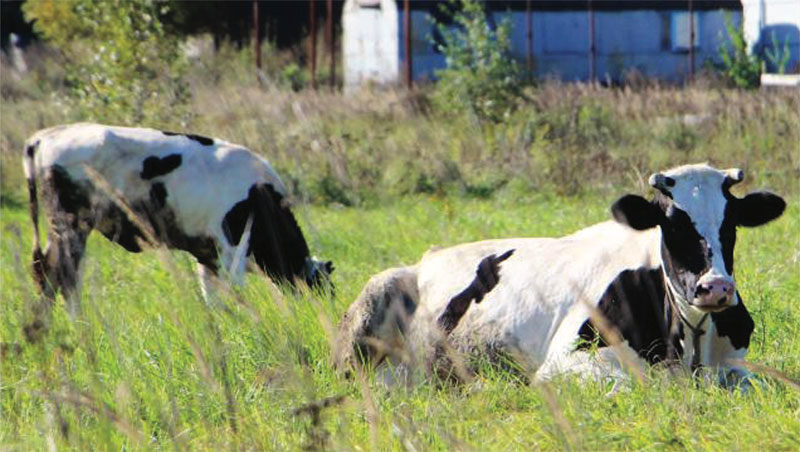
column 329, row 268
column 636, row 212
column 758, row 208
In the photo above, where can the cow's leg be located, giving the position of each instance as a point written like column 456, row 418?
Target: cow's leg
column 610, row 365
column 231, row 265
column 204, row 277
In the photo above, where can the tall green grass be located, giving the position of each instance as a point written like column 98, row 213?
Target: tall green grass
column 149, row 365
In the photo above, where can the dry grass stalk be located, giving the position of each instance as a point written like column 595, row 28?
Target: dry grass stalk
column 80, row 399
column 768, row 371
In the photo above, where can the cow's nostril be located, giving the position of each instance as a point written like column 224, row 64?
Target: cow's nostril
column 701, row 290
column 722, row 300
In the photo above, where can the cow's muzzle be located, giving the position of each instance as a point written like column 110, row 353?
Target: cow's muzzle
column 715, row 294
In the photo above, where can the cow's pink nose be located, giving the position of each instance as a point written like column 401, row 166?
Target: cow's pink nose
column 716, row 292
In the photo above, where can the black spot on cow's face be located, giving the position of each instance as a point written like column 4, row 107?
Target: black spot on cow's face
column 154, row 166
column 685, row 254
column 205, row 141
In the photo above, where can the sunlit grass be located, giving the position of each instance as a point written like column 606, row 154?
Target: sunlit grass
column 150, row 365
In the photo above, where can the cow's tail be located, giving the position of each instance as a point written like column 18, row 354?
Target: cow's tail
column 29, row 164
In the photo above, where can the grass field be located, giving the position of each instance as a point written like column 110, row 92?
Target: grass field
column 378, row 178
column 149, row 366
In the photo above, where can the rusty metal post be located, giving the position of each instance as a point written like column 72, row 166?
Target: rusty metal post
column 312, row 42
column 257, row 35
column 529, row 38
column 407, row 34
column 691, row 42
column 592, row 48
column 329, row 37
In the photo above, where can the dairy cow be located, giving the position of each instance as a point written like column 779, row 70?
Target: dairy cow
column 216, row 200
column 658, row 279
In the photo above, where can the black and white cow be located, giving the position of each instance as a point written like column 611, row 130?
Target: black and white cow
column 217, row 200
column 661, row 275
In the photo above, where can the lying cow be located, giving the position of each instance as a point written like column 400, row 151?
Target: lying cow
column 661, row 275
column 214, row 199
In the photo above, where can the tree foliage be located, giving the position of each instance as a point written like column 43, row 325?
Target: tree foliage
column 480, row 75
column 122, row 66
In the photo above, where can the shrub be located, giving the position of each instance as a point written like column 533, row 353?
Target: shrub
column 742, row 69
column 122, row 67
column 481, row 75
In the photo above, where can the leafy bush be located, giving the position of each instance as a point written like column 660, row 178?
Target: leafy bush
column 481, row 75
column 742, row 69
column 122, row 67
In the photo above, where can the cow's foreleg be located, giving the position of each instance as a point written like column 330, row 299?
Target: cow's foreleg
column 231, row 266
column 207, row 290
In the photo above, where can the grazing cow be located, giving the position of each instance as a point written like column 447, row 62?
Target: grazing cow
column 214, row 199
column 661, row 275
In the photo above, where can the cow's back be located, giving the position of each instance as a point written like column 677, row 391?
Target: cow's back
column 199, row 178
column 538, row 302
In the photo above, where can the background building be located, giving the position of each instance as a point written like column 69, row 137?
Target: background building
column 550, row 39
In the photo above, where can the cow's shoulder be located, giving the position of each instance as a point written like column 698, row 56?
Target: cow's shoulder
column 635, row 305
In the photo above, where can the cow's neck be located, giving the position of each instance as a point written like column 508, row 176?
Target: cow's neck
column 694, row 324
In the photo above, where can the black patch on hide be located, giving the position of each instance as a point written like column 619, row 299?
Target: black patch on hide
column 71, row 196
column 236, row 220
column 487, row 275
column 30, row 151
column 205, row 141
column 116, row 227
column 735, row 323
column 635, row 304
column 154, row 166
column 158, row 196
column 276, row 241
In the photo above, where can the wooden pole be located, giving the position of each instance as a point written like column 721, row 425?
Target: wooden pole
column 691, row 41
column 529, row 37
column 329, row 37
column 312, row 43
column 592, row 49
column 257, row 35
column 407, row 33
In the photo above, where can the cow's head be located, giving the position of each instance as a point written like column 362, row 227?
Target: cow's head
column 317, row 273
column 698, row 217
